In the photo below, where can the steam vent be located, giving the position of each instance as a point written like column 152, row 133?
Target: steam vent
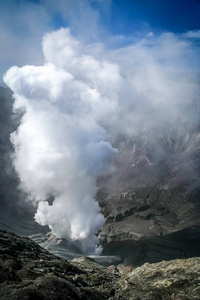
column 99, row 150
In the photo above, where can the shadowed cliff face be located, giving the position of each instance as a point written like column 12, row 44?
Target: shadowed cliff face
column 7, row 125
column 15, row 211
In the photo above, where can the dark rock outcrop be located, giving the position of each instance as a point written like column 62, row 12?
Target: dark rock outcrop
column 29, row 272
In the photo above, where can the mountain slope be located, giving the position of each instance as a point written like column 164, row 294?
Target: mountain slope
column 151, row 202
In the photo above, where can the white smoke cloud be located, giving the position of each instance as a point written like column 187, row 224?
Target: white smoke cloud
column 73, row 103
column 60, row 148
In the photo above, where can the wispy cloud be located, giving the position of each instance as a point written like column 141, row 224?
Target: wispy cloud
column 23, row 24
column 192, row 34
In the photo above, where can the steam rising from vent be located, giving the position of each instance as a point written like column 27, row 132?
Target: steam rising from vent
column 60, row 149
column 75, row 105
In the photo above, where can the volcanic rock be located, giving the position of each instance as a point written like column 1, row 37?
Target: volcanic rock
column 29, row 272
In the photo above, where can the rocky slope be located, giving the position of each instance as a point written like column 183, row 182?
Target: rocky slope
column 156, row 224
column 151, row 202
column 27, row 271
column 177, row 279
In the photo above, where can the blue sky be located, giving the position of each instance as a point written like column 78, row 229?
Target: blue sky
column 115, row 23
column 129, row 16
column 168, row 15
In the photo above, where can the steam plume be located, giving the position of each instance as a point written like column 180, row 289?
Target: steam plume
column 71, row 103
